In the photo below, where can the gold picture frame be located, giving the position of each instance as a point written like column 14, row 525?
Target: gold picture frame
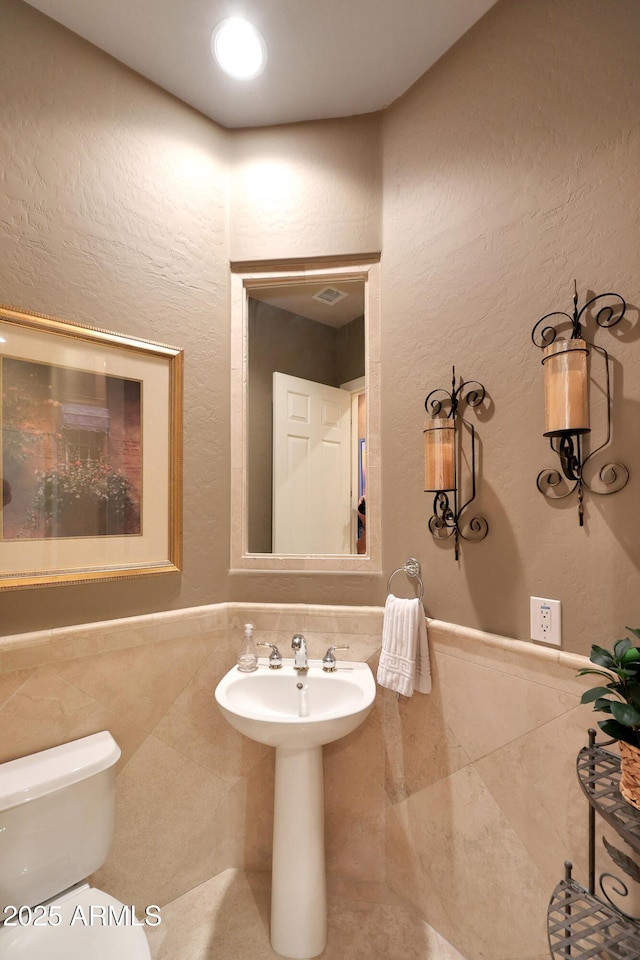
column 90, row 453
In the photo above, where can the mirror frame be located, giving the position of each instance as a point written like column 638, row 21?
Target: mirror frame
column 244, row 276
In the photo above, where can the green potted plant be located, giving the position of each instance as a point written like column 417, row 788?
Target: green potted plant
column 619, row 698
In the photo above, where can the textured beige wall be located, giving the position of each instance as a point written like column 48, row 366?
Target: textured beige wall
column 306, row 190
column 510, row 169
column 114, row 214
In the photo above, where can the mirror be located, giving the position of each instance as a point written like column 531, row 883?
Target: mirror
column 305, row 423
column 306, row 376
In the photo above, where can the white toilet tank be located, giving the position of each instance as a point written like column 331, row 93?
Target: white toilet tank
column 56, row 818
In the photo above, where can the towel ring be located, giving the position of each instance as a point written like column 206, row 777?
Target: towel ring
column 412, row 570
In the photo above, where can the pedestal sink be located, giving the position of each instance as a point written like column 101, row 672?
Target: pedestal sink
column 297, row 714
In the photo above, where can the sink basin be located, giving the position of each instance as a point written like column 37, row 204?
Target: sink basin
column 271, row 707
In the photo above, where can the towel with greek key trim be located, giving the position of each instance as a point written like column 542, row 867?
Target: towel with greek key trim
column 404, row 661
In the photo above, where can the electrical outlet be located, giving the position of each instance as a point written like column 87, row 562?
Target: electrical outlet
column 546, row 621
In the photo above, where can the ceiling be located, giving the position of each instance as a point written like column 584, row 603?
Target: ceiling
column 300, row 299
column 327, row 58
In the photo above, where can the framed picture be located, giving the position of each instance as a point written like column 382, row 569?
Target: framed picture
column 91, row 453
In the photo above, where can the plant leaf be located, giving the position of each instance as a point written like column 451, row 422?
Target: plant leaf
column 633, row 692
column 631, row 656
column 616, row 731
column 634, row 630
column 602, row 657
column 626, row 714
column 603, row 705
column 590, row 695
column 624, row 673
column 589, row 670
column 620, row 647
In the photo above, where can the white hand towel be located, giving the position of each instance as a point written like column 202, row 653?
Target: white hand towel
column 404, row 660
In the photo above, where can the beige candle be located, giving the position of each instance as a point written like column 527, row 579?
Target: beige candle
column 439, row 455
column 566, row 394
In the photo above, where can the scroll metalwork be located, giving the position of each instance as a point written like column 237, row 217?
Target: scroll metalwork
column 447, row 518
column 579, row 472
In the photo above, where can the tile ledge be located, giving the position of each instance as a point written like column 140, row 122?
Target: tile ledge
column 311, row 608
column 443, row 634
column 447, row 633
column 147, row 620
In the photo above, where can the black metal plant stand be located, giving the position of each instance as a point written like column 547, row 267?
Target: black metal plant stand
column 581, row 924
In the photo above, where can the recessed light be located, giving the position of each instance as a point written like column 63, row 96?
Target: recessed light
column 239, row 48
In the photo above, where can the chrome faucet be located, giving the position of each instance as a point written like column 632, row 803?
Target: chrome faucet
column 329, row 661
column 300, row 662
column 275, row 660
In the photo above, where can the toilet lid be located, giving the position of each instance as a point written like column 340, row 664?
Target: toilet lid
column 93, row 926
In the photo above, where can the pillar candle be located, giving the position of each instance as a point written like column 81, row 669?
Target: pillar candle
column 439, row 454
column 566, row 394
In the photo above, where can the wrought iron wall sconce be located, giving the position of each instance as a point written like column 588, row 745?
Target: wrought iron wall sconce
column 443, row 458
column 566, row 399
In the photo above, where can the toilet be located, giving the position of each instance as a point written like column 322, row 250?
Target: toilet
column 56, row 825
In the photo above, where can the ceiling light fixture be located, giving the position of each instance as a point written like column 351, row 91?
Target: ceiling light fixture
column 239, row 48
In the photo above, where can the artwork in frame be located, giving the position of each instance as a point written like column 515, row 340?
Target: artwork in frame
column 90, row 453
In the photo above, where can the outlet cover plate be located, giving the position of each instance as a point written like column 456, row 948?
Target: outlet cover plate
column 546, row 621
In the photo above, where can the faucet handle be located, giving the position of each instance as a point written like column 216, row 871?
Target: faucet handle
column 275, row 658
column 329, row 661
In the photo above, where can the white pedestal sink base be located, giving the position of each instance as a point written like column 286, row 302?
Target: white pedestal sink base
column 298, row 713
column 298, row 897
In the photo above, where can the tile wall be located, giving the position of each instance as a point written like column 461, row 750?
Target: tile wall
column 464, row 802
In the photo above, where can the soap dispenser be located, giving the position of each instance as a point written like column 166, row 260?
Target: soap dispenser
column 248, row 655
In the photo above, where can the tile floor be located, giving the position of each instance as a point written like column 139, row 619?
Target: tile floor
column 227, row 918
